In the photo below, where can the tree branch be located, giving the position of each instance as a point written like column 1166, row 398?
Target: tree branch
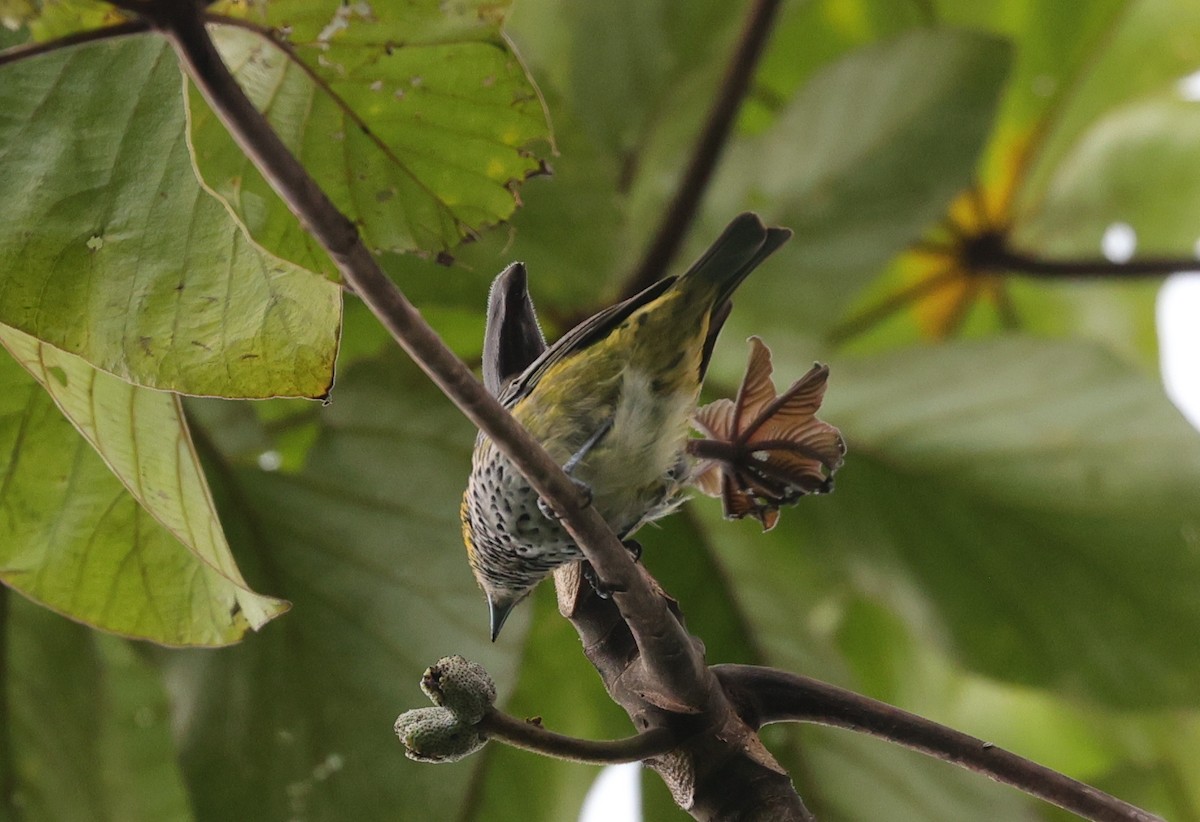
column 28, row 50
column 720, row 771
column 1031, row 265
column 989, row 252
column 766, row 695
column 717, row 128
column 531, row 736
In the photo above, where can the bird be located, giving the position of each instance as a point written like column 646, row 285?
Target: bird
column 611, row 401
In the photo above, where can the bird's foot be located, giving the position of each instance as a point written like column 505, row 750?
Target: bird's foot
column 633, row 547
column 593, row 579
column 606, row 591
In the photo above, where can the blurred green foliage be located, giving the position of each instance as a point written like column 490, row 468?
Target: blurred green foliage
column 1014, row 545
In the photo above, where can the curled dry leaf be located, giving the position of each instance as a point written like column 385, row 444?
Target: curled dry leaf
column 764, row 450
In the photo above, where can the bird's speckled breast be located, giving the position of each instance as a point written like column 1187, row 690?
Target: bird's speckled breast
column 502, row 518
column 635, row 474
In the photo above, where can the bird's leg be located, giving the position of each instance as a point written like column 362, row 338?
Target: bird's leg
column 590, row 443
column 571, row 464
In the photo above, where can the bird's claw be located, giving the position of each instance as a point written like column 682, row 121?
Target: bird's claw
column 593, row 579
column 606, row 591
column 633, row 547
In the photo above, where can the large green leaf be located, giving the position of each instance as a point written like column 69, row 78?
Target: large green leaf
column 1055, row 46
column 415, row 118
column 865, row 156
column 810, row 35
column 1039, row 497
column 628, row 58
column 141, row 435
column 88, row 725
column 112, row 251
column 366, row 542
column 1141, row 48
column 784, row 613
column 73, row 538
column 1139, row 165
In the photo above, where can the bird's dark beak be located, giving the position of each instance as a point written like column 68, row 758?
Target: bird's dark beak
column 500, row 609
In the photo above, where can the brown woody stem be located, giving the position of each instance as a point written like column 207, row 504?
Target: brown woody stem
column 1030, row 265
column 531, row 736
column 765, row 695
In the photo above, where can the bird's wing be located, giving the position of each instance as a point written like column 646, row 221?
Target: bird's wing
column 588, row 332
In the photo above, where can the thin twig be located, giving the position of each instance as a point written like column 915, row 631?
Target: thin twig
column 79, row 38
column 665, row 645
column 531, row 736
column 1029, row 265
column 766, row 695
column 717, row 128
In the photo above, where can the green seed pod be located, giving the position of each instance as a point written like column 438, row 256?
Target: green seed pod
column 436, row 735
column 461, row 686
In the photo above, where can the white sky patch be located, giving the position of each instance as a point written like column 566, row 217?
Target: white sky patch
column 615, row 796
column 1119, row 242
column 270, row 460
column 1179, row 342
column 1189, row 87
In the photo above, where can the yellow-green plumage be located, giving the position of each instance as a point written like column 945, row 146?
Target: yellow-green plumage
column 622, row 386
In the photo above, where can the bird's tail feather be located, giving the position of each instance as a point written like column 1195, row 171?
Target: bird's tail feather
column 742, row 246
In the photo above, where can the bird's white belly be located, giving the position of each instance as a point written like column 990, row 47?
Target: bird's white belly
column 641, row 459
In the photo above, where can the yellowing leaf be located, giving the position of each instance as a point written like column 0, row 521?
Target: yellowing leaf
column 112, row 250
column 416, row 118
column 73, row 538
